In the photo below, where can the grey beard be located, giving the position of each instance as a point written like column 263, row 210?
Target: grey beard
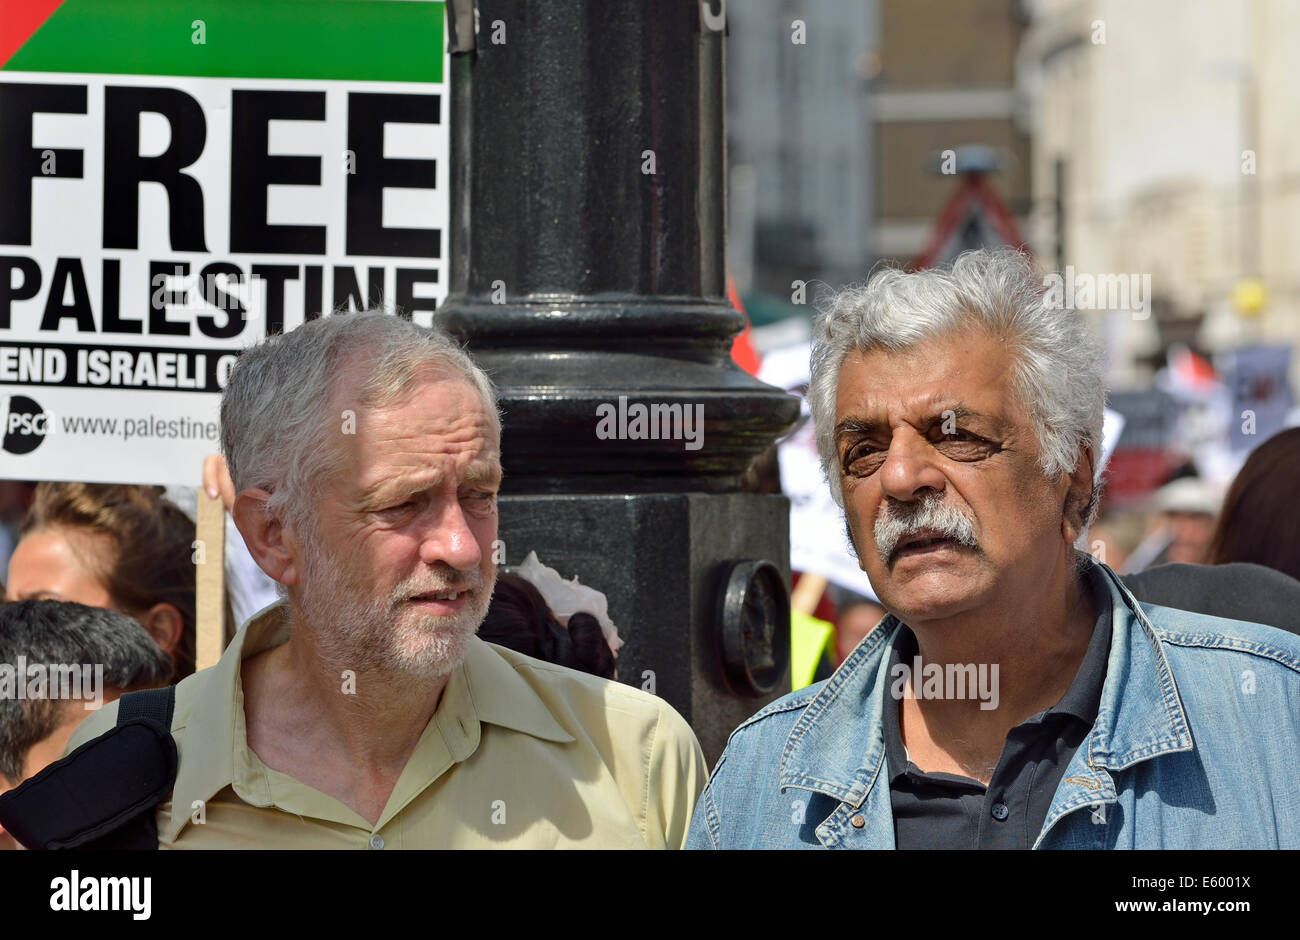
column 360, row 634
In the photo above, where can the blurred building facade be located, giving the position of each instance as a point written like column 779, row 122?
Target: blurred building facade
column 799, row 142
column 1166, row 142
column 837, row 113
column 947, row 81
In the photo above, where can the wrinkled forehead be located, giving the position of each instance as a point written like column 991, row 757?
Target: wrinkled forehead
column 436, row 429
column 364, row 379
column 964, row 372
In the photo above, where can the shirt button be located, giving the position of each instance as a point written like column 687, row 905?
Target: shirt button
column 857, row 821
column 376, row 841
column 1000, row 811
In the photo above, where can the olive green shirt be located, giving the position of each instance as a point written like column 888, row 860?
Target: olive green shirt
column 519, row 754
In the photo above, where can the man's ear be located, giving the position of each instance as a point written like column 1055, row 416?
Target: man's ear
column 1078, row 496
column 164, row 623
column 265, row 536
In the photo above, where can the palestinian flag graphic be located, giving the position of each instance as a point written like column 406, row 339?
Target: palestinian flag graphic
column 360, row 40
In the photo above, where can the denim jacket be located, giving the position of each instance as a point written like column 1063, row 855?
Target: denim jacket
column 1196, row 745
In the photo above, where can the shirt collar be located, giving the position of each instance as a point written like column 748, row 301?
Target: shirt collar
column 496, row 692
column 484, row 688
column 837, row 745
column 1140, row 714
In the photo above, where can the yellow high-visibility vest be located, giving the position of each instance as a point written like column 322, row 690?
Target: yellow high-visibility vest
column 808, row 639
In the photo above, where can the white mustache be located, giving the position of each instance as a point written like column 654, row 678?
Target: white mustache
column 931, row 514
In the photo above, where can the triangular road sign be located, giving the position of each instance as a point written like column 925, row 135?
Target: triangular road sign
column 975, row 217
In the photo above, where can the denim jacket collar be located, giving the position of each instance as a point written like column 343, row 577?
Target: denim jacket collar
column 837, row 745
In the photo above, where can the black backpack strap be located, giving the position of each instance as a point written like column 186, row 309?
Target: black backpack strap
column 154, row 705
column 102, row 795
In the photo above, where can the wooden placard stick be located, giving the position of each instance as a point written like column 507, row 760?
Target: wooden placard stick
column 209, row 581
column 807, row 593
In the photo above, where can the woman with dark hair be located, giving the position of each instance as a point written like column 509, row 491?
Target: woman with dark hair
column 123, row 547
column 1258, row 520
column 520, row 619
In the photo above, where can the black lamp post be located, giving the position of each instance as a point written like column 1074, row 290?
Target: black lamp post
column 588, row 278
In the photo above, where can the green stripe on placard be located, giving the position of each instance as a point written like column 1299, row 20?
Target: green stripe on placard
column 353, row 40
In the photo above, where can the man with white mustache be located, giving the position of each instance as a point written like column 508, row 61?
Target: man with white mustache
column 361, row 711
column 958, row 420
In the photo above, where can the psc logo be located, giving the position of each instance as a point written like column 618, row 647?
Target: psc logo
column 25, row 424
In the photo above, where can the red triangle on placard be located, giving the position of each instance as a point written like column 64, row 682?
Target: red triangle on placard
column 21, row 20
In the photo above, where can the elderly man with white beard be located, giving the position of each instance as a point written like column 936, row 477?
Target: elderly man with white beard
column 1016, row 695
column 361, row 711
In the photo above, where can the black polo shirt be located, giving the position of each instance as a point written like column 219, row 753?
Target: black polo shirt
column 947, row 811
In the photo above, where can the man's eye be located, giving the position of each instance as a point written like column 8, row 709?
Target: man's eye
column 965, row 446
column 862, row 460
column 938, row 435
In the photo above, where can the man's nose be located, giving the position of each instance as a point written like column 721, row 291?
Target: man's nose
column 910, row 467
column 449, row 538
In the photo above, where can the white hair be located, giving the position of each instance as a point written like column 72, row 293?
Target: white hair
column 1057, row 362
column 279, row 424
